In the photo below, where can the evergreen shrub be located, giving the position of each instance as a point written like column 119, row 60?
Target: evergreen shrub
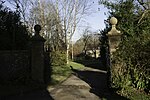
column 131, row 63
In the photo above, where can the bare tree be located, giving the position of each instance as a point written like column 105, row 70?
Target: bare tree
column 90, row 41
column 71, row 12
column 86, row 36
column 65, row 14
column 146, row 5
column 45, row 13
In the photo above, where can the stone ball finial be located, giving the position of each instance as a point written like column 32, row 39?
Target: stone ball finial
column 37, row 28
column 113, row 20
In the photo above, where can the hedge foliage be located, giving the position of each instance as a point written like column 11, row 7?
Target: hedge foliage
column 131, row 63
column 13, row 35
column 58, row 58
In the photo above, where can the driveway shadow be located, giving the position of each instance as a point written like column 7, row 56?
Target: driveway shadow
column 98, row 83
column 93, row 63
column 34, row 95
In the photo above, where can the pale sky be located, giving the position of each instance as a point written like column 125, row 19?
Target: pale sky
column 95, row 20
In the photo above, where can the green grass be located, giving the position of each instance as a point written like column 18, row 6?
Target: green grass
column 76, row 65
column 60, row 73
column 133, row 94
column 138, row 95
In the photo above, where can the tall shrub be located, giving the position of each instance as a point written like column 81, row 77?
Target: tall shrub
column 130, row 63
column 13, row 35
column 58, row 58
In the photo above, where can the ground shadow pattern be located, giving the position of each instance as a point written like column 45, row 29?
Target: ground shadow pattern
column 98, row 63
column 98, row 83
column 34, row 95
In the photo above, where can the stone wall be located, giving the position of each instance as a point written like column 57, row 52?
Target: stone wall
column 14, row 65
column 23, row 64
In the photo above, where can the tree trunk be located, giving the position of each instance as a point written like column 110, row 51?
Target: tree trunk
column 95, row 53
column 72, row 51
column 67, row 52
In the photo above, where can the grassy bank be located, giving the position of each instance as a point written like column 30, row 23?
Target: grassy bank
column 60, row 73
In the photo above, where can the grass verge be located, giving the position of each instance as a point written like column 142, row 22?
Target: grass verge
column 60, row 73
column 134, row 94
